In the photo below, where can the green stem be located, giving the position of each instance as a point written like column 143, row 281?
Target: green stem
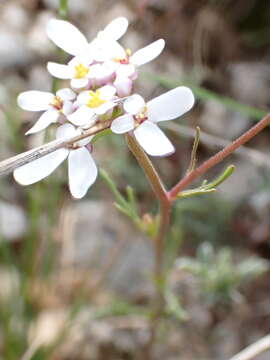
column 63, row 9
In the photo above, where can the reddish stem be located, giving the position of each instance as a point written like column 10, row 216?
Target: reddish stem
column 221, row 155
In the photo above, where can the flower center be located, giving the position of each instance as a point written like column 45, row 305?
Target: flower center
column 124, row 60
column 95, row 99
column 81, row 71
column 57, row 103
column 141, row 117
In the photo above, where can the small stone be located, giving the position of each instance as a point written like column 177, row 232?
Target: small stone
column 14, row 50
column 13, row 222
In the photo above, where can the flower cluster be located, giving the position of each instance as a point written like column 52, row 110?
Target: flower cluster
column 101, row 74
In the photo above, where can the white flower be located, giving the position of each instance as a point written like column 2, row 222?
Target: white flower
column 82, row 71
column 71, row 40
column 142, row 118
column 82, row 170
column 127, row 64
column 92, row 103
column 54, row 105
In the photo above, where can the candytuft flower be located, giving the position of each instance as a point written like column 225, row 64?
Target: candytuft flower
column 53, row 105
column 127, row 64
column 82, row 71
column 143, row 117
column 71, row 40
column 93, row 103
column 82, row 170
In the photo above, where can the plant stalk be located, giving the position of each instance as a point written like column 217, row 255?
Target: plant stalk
column 217, row 158
column 164, row 221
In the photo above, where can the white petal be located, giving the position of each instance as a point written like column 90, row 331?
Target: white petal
column 123, row 86
column 116, row 28
column 114, row 50
column 83, row 116
column 83, row 97
column 122, row 124
column 107, row 92
column 40, row 168
column 148, row 53
column 153, row 140
column 35, row 100
column 66, row 94
column 126, row 70
column 82, row 172
column 66, row 36
column 46, row 119
column 170, row 105
column 102, row 109
column 67, row 107
column 85, row 59
column 134, row 104
column 84, row 141
column 60, row 71
column 79, row 83
column 66, row 131
column 100, row 71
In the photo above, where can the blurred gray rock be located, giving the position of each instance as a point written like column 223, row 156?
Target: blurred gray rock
column 13, row 222
column 14, row 50
column 77, row 7
column 217, row 120
column 98, row 230
column 242, row 182
column 37, row 37
column 39, row 78
column 15, row 16
column 250, row 82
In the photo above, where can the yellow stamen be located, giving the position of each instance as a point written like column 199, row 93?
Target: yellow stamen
column 141, row 117
column 124, row 60
column 81, row 71
column 57, row 103
column 95, row 100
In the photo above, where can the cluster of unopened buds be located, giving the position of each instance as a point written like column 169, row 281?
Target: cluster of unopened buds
column 102, row 75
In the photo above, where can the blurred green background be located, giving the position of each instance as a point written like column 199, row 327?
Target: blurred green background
column 75, row 276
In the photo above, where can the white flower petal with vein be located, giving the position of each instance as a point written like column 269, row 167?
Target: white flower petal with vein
column 148, row 53
column 134, row 104
column 153, row 140
column 83, row 116
column 47, row 118
column 66, row 36
column 82, row 172
column 170, row 105
column 39, row 169
column 122, row 124
column 35, row 100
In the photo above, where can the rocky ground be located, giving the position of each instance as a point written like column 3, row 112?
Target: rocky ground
column 76, row 276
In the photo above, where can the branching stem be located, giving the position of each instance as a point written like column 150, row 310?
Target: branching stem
column 220, row 156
